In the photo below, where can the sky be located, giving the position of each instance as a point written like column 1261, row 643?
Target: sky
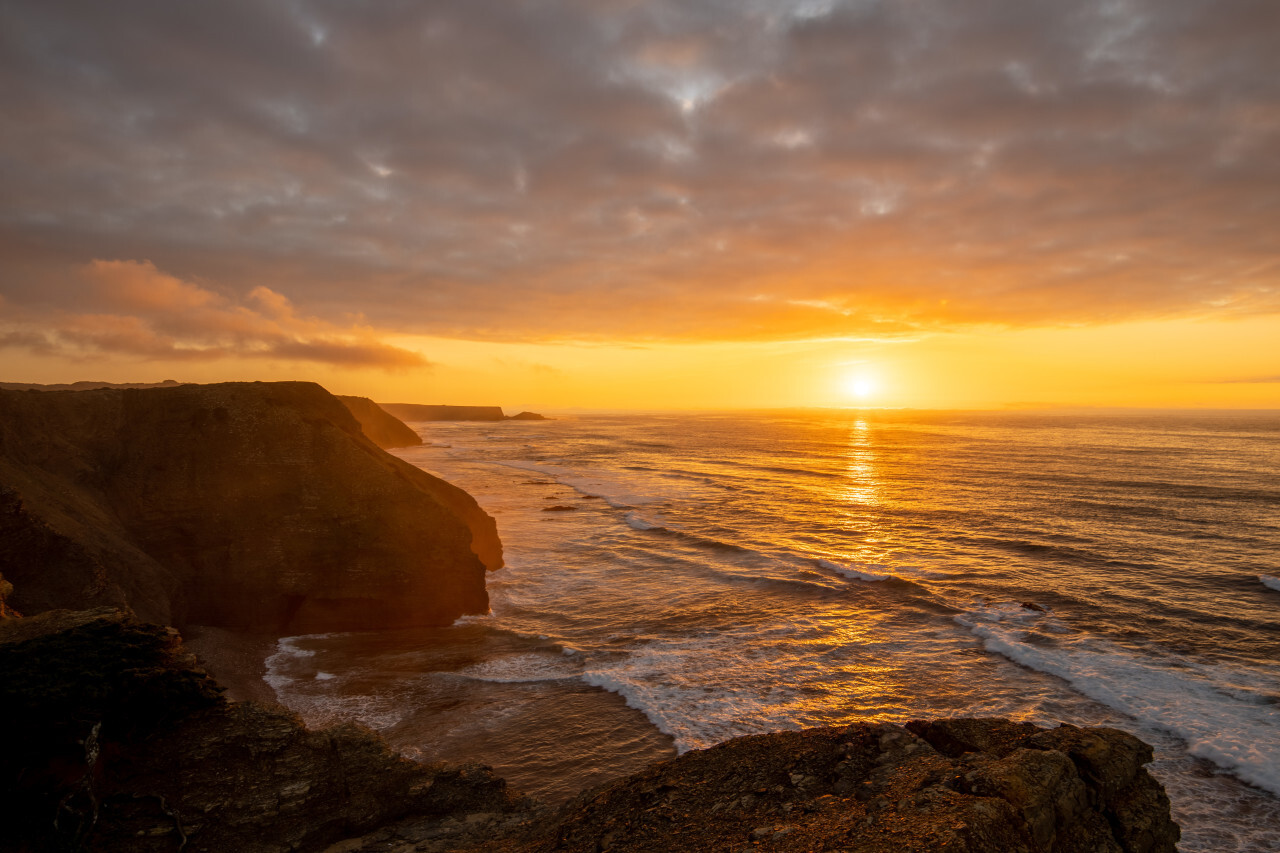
column 615, row 204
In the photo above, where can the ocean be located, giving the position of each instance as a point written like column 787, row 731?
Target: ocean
column 675, row 580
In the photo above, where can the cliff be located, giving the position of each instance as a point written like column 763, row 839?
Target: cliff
column 126, row 745
column 415, row 412
column 244, row 505
column 381, row 428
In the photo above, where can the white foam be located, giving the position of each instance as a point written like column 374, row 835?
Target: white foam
column 523, row 668
column 1270, row 581
column 854, row 574
column 1205, row 706
column 637, row 522
column 325, row 676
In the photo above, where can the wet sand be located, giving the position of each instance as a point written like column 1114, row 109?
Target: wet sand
column 236, row 660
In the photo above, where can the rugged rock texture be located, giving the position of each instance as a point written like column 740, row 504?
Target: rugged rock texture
column 123, row 744
column 126, row 745
column 249, row 505
column 415, row 412
column 381, row 428
column 983, row 786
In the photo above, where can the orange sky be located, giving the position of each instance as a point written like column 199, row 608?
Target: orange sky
column 657, row 205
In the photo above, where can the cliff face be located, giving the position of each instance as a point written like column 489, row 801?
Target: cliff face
column 251, row 505
column 415, row 412
column 381, row 428
column 119, row 742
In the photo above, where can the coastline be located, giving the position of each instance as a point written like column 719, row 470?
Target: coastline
column 236, row 660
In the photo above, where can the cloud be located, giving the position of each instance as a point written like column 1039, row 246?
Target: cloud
column 666, row 170
column 132, row 308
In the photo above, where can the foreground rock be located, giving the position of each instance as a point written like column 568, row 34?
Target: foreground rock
column 382, row 428
column 982, row 786
column 117, row 741
column 244, row 505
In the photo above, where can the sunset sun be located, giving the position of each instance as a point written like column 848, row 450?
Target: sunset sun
column 861, row 387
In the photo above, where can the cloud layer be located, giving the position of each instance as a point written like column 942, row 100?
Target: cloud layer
column 701, row 169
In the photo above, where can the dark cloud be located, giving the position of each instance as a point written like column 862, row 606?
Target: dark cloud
column 687, row 170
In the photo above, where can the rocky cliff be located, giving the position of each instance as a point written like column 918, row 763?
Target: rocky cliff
column 251, row 505
column 381, row 428
column 118, row 741
column 416, row 412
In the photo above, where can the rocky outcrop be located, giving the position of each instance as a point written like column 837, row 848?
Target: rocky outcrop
column 381, row 428
column 126, row 745
column 117, row 741
column 249, row 505
column 527, row 416
column 981, row 786
column 416, row 412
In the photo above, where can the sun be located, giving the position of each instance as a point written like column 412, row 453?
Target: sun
column 861, row 386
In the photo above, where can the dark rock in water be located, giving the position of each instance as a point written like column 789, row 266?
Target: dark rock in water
column 993, row 787
column 527, row 416
column 250, row 505
column 382, row 428
column 416, row 412
column 559, row 508
column 118, row 742
column 1031, row 605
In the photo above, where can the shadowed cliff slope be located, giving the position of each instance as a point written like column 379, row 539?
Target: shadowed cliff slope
column 251, row 505
column 381, row 428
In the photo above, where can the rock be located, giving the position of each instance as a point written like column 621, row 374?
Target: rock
column 127, row 746
column 991, row 786
column 383, row 429
column 559, row 508
column 527, row 416
column 416, row 412
column 242, row 505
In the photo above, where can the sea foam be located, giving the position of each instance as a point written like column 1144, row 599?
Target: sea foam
column 1235, row 727
column 1270, row 582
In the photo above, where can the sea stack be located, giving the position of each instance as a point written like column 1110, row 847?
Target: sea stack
column 244, row 505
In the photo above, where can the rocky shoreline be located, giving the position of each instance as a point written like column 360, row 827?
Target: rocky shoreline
column 128, row 744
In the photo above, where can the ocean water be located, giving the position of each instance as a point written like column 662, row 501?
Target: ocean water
column 720, row 575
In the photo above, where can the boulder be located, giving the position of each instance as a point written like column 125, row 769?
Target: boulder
column 243, row 505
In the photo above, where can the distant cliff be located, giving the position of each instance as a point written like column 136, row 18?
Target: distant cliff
column 245, row 505
column 415, row 412
column 383, row 429
column 119, row 742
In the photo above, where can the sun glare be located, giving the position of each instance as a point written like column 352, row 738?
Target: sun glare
column 860, row 387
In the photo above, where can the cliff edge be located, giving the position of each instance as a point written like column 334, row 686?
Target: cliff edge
column 243, row 505
column 382, row 428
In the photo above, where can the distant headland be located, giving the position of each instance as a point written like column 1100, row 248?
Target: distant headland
column 416, row 412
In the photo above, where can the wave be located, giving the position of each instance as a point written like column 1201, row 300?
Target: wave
column 638, row 522
column 1235, row 727
column 853, row 574
column 523, row 669
column 1270, row 581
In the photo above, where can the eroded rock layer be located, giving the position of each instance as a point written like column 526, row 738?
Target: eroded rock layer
column 251, row 505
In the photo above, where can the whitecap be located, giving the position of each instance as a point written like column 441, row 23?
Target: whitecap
column 1270, row 581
